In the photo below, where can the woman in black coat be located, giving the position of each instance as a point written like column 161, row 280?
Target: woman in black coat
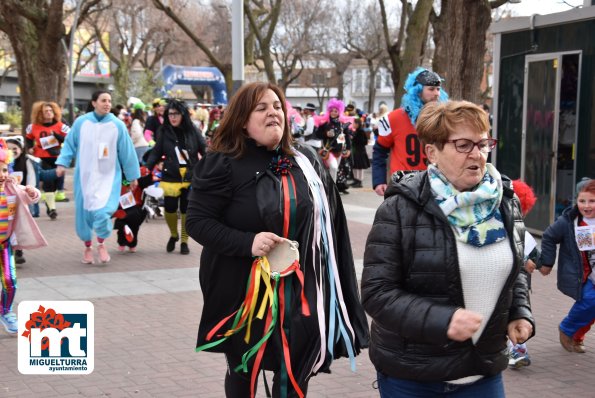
column 251, row 192
column 359, row 156
column 180, row 145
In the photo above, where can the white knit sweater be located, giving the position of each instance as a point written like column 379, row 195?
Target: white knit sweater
column 484, row 271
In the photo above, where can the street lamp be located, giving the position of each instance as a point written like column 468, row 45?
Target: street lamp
column 237, row 44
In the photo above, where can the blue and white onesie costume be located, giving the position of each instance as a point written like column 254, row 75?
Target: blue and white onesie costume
column 103, row 149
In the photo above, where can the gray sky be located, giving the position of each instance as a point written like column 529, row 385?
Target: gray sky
column 542, row 7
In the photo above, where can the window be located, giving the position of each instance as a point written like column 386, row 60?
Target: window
column 357, row 82
column 319, row 79
column 379, row 76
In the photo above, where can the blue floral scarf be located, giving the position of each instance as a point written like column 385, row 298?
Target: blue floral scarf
column 474, row 214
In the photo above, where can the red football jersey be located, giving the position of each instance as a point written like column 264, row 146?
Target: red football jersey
column 395, row 131
column 38, row 133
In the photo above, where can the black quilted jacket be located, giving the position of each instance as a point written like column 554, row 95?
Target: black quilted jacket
column 411, row 287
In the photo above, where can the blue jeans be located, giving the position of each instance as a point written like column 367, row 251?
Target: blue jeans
column 582, row 312
column 488, row 387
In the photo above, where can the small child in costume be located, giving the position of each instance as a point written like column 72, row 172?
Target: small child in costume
column 18, row 231
column 153, row 203
column 519, row 354
column 574, row 231
column 129, row 219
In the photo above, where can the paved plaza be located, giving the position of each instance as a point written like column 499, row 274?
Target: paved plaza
column 147, row 309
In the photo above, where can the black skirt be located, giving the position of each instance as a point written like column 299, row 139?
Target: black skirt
column 359, row 157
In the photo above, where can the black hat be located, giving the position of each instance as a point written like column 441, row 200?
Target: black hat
column 429, row 78
column 310, row 106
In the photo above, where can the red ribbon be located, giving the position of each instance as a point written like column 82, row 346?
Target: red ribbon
column 43, row 319
column 286, row 354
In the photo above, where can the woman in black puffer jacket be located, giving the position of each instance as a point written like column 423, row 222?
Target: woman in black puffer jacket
column 441, row 277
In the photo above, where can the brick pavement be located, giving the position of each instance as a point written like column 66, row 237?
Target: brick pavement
column 147, row 307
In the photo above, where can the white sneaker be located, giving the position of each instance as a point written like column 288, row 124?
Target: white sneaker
column 9, row 320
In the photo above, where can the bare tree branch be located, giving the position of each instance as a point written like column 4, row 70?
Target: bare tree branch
column 225, row 68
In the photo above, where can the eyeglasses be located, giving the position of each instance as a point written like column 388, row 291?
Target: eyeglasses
column 174, row 114
column 464, row 145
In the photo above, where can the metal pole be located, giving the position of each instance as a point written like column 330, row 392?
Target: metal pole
column 70, row 57
column 237, row 43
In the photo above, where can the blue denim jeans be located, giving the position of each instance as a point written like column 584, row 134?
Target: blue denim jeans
column 487, row 387
column 582, row 312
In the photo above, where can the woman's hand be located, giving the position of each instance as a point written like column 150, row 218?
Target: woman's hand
column 530, row 266
column 545, row 270
column 519, row 331
column 264, row 243
column 60, row 171
column 463, row 324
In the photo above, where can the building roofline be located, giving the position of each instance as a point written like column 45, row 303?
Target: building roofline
column 78, row 78
column 516, row 24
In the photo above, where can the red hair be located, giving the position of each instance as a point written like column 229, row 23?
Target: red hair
column 526, row 195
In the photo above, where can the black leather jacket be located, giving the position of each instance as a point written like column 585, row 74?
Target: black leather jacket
column 411, row 287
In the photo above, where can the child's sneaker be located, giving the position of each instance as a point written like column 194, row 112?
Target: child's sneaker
column 87, row 256
column 579, row 346
column 517, row 358
column 103, row 254
column 9, row 320
column 132, row 249
column 121, row 249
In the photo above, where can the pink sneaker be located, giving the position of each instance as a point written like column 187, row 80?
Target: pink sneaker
column 87, row 256
column 103, row 254
column 121, row 249
column 132, row 249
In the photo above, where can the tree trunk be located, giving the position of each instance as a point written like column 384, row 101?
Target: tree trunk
column 341, row 62
column 341, row 84
column 372, row 71
column 393, row 47
column 121, row 82
column 263, row 31
column 417, row 29
column 464, row 47
column 439, row 60
column 40, row 57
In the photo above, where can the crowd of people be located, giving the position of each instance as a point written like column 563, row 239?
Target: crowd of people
column 447, row 263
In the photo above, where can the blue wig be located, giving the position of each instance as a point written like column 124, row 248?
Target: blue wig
column 411, row 100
